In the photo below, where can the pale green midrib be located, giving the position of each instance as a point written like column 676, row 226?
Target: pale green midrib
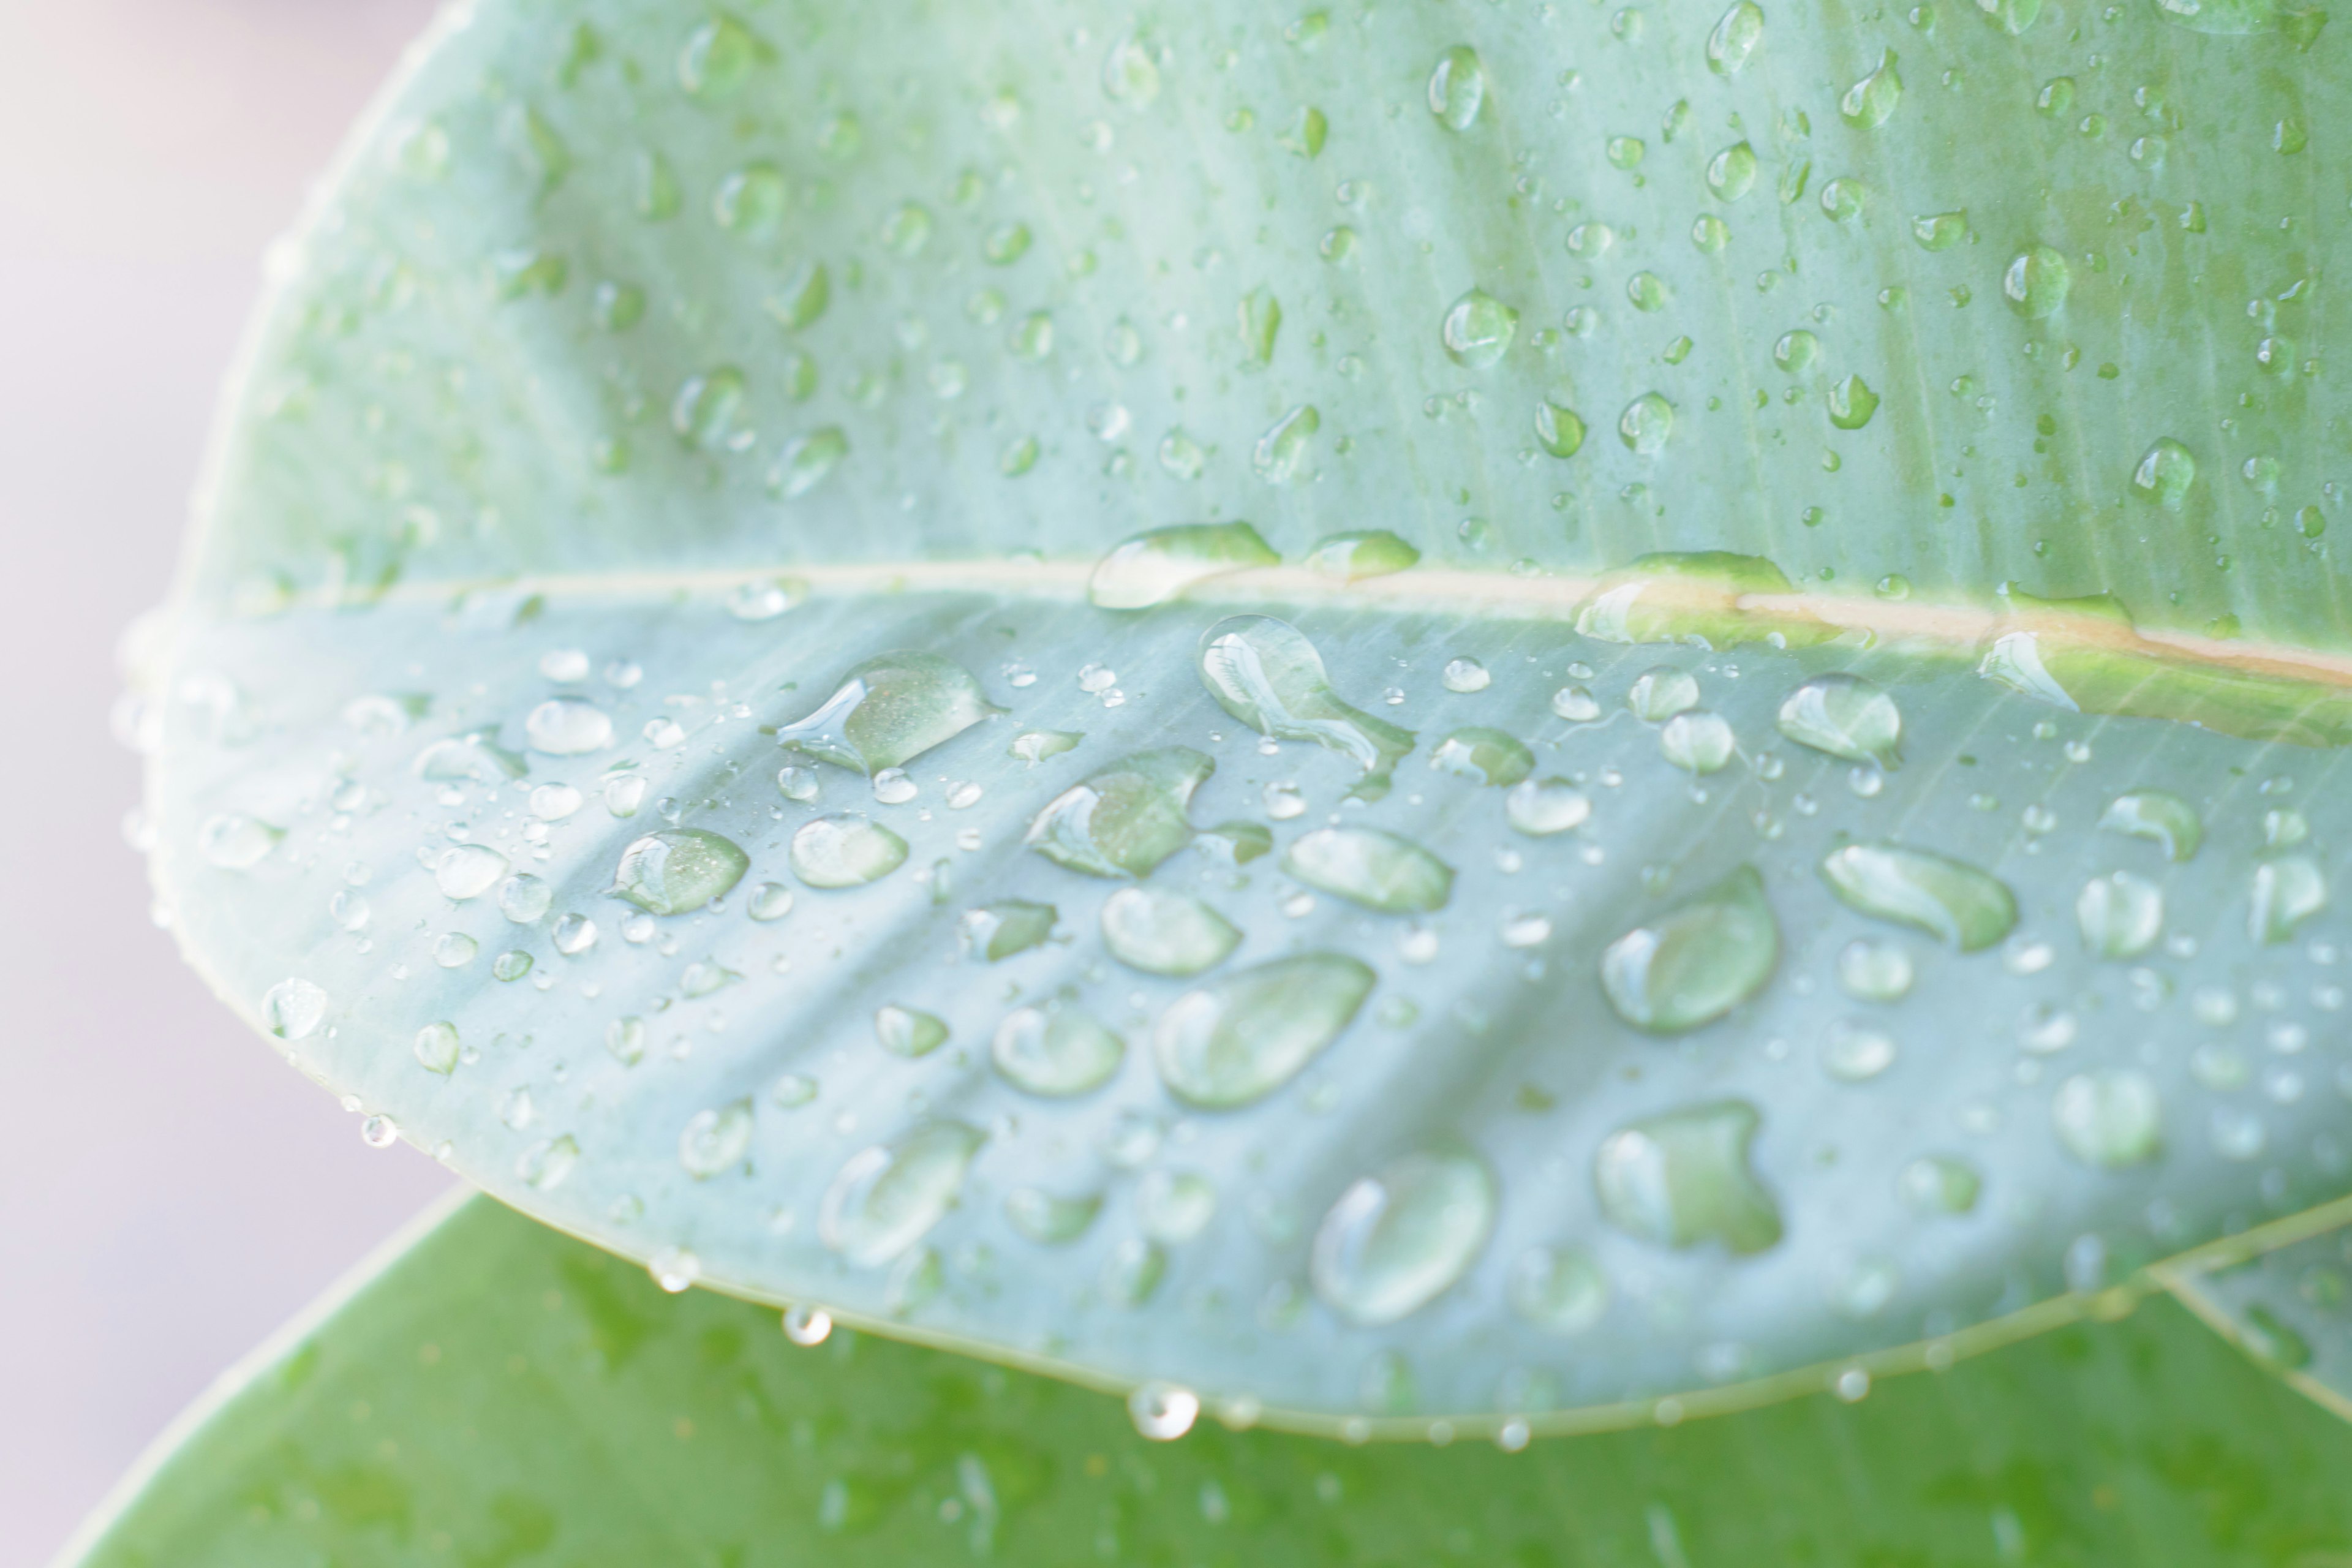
column 1959, row 629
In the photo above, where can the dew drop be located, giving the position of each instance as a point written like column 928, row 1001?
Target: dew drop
column 2162, row 818
column 678, row 869
column 1055, row 1051
column 2120, row 915
column 1945, row 898
column 1163, row 932
column 568, row 727
column 909, row 1032
column 1367, row 866
column 888, row 1197
column 1683, row 1178
column 844, row 851
column 1697, row 961
column 1396, row 1240
column 1844, row 716
column 1157, row 565
column 1457, row 88
column 1268, row 675
column 2111, row 1118
column 1239, row 1038
column 889, row 711
column 1127, row 820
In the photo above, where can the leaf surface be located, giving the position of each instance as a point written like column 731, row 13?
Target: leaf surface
column 723, row 686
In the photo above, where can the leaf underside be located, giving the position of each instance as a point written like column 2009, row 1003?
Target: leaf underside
column 651, row 377
column 500, row 1394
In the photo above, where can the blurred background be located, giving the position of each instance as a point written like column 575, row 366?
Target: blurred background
column 170, row 1193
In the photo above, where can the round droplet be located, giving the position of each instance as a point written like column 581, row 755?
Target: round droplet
column 768, row 902
column 1646, row 423
column 1125, row 820
column 1163, row 932
column 468, row 870
column 2157, row 815
column 1735, row 37
column 2165, row 473
column 1697, row 963
column 293, row 1009
column 1055, row 1051
column 1845, row 716
column 806, row 1326
column 1937, row 1183
column 1541, row 808
column 1464, row 674
column 888, row 711
column 1162, row 1411
column 1697, row 742
column 1576, row 704
column 715, row 1142
column 1397, row 1239
column 436, row 1048
column 1175, row 1207
column 1856, row 1052
column 1559, row 430
column 1478, row 330
column 887, row 1198
column 1489, row 756
column 2120, row 915
column 573, row 935
column 523, row 897
column 568, row 727
column 1683, row 1178
column 1657, row 695
column 844, row 851
column 2037, row 281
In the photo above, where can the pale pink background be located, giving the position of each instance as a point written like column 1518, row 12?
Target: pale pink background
column 170, row 1192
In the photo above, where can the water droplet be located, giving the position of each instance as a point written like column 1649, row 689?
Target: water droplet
column 1875, row 971
column 1845, row 716
column 1049, row 1219
column 1854, row 1053
column 1267, row 674
column 1238, row 1039
column 1647, row 291
column 1125, row 820
column 889, row 711
column 1355, row 556
column 2287, row 892
column 806, row 460
column 996, row 932
column 1161, row 931
column 678, row 869
column 1937, row 1183
column 1868, row 102
column 843, row 851
column 1282, row 447
column 715, row 1142
column 1559, row 430
column 807, row 1326
column 436, row 1048
column 887, row 1198
column 1478, row 330
column 2111, row 1118
column 717, row 58
column 524, row 897
column 544, row 1165
column 1157, row 565
column 1646, row 423
column 707, row 408
column 236, row 842
column 2037, row 281
column 1130, row 75
column 468, row 870
column 2165, row 474
column 1559, row 1289
column 1948, row 898
column 1489, row 756
column 770, row 901
column 1395, row 1241
column 1683, row 1178
column 1852, row 402
column 1464, row 674
column 675, row 1269
column 1541, row 808
column 909, row 1032
column 1366, row 866
column 1576, row 705
column 1731, row 173
column 1695, row 962
column 1457, row 88
column 1697, row 742
column 1162, row 1411
column 2120, row 915
column 1055, row 1051
column 1657, row 695
column 1735, row 37
column 1033, row 746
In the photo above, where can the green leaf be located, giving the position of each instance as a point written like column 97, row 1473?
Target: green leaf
column 501, row 1393
column 2290, row 1309
column 675, row 732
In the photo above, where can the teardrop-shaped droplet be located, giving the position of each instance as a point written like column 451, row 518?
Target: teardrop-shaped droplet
column 1697, row 961
column 2111, row 1118
column 1125, row 820
column 2287, row 892
column 1868, row 103
column 1845, row 716
column 1157, row 565
column 1238, row 1039
column 1366, row 866
column 889, row 711
column 888, row 1197
column 1683, row 1178
column 1267, row 674
column 1735, row 37
column 1478, row 330
column 2120, row 915
column 1055, row 1051
column 1395, row 1240
column 678, row 869
column 1646, row 423
column 908, row 1031
column 845, row 851
column 1541, row 808
column 1457, row 88
column 1559, row 430
column 1489, row 756
column 2159, row 816
column 1282, row 449
column 995, row 931
column 1163, row 932
column 1852, row 401
column 1945, row 898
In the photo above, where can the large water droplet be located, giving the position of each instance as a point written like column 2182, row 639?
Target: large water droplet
column 1055, row 1051
column 1352, row 557
column 1457, row 88
column 1478, row 330
column 2155, row 814
column 1683, row 1178
column 1238, row 1039
column 1945, row 898
column 1697, row 961
column 1735, row 37
column 1367, row 866
column 2111, row 1118
column 1267, row 674
column 678, row 869
column 1646, row 423
column 845, row 851
column 2120, row 915
column 1845, row 716
column 1868, row 102
column 1155, row 566
column 888, row 1197
column 1161, row 931
column 889, row 711
column 1875, row 971
column 1279, row 452
column 1125, row 820
column 1851, row 401
column 805, row 461
column 468, row 870
column 1397, row 1239
column 1937, row 1183
column 1490, row 756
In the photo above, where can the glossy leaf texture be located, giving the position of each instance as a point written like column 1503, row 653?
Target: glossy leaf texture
column 724, row 689
column 504, row 1395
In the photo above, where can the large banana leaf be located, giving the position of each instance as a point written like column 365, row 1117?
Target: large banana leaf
column 723, row 686
column 500, row 1394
